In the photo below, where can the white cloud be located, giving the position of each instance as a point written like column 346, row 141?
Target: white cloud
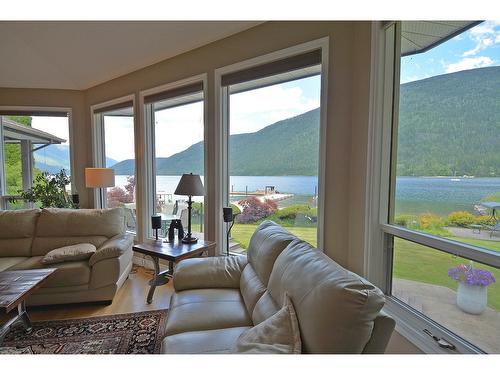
column 256, row 109
column 469, row 63
column 484, row 35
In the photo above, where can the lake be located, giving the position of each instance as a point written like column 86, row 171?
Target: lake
column 440, row 195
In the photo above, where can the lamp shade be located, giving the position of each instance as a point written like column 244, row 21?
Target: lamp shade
column 190, row 184
column 99, row 177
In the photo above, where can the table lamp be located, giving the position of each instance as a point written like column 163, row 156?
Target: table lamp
column 99, row 178
column 190, row 185
column 228, row 217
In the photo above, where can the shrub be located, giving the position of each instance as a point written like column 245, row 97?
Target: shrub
column 461, row 218
column 292, row 211
column 484, row 220
column 430, row 221
column 49, row 191
column 432, row 224
column 254, row 209
column 236, row 210
column 117, row 197
column 406, row 220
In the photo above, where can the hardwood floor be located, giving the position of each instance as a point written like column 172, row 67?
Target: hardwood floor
column 130, row 298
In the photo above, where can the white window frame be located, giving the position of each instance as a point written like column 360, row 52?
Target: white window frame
column 99, row 147
column 221, row 97
column 71, row 141
column 384, row 113
column 148, row 144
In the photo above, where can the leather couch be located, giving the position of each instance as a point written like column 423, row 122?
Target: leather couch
column 27, row 235
column 217, row 299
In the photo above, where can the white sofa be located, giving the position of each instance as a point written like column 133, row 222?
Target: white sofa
column 26, row 236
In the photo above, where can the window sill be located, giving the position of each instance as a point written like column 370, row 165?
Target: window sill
column 411, row 325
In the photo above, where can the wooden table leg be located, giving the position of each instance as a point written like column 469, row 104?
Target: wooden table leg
column 159, row 278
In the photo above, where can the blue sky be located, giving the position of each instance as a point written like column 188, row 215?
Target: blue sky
column 476, row 48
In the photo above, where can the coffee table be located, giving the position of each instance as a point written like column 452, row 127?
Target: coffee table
column 173, row 252
column 15, row 287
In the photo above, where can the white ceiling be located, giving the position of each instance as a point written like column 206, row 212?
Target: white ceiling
column 79, row 55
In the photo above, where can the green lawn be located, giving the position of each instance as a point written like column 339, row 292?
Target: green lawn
column 241, row 233
column 411, row 261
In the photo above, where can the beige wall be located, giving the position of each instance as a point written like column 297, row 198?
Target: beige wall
column 59, row 98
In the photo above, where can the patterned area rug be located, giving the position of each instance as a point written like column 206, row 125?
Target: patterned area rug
column 135, row 333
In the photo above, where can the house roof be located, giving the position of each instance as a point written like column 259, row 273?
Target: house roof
column 14, row 132
column 420, row 36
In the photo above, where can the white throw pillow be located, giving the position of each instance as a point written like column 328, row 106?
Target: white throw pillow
column 79, row 251
column 278, row 334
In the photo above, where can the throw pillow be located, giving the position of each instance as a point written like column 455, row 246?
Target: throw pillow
column 79, row 251
column 279, row 334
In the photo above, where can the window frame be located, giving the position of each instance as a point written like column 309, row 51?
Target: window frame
column 71, row 142
column 99, row 141
column 382, row 152
column 221, row 96
column 148, row 143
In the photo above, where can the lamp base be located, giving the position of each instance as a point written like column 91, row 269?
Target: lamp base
column 189, row 239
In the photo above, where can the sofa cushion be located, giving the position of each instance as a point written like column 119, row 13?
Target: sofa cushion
column 206, row 309
column 59, row 227
column 17, row 231
column 7, row 262
column 265, row 307
column 267, row 242
column 42, row 245
column 67, row 274
column 79, row 251
column 279, row 334
column 215, row 341
column 335, row 307
column 251, row 288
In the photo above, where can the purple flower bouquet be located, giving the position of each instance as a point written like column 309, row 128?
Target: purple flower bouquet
column 471, row 276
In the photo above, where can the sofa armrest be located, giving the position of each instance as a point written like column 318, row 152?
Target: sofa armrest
column 112, row 248
column 383, row 326
column 211, row 272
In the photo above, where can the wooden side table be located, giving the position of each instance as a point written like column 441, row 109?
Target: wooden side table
column 173, row 252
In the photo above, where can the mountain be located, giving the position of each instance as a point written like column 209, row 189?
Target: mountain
column 450, row 125
column 53, row 158
column 287, row 147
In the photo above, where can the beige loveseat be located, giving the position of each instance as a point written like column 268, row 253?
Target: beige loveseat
column 27, row 235
column 217, row 299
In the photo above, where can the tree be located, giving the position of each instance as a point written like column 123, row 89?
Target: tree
column 13, row 165
column 117, row 196
column 254, row 209
column 49, row 191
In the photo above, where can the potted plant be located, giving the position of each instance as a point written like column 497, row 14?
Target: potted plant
column 472, row 293
column 49, row 191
